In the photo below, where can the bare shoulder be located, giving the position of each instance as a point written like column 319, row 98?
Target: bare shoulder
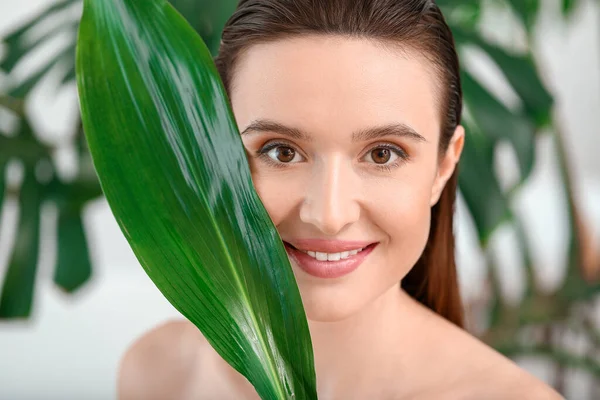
column 477, row 371
column 174, row 361
column 160, row 363
column 503, row 378
column 506, row 380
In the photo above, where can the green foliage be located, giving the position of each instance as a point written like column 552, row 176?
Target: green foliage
column 73, row 267
column 526, row 10
column 16, row 298
column 488, row 122
column 480, row 188
column 193, row 217
column 207, row 17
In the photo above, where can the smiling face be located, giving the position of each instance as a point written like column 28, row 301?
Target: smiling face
column 342, row 139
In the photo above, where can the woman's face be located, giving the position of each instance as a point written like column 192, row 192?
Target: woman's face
column 342, row 140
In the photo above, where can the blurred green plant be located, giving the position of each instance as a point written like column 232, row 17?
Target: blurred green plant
column 488, row 120
column 537, row 323
column 74, row 266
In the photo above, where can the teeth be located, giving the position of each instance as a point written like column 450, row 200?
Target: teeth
column 331, row 256
column 334, row 257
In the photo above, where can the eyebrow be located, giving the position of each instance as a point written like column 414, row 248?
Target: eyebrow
column 397, row 129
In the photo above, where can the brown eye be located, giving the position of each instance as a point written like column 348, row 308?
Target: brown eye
column 381, row 155
column 386, row 156
column 281, row 154
column 285, row 154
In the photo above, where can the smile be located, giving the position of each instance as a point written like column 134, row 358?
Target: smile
column 331, row 256
column 329, row 265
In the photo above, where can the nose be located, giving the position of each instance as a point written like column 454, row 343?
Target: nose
column 330, row 202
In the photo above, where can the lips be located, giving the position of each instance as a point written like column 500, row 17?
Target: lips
column 329, row 269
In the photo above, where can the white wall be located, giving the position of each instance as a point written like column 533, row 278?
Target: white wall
column 70, row 348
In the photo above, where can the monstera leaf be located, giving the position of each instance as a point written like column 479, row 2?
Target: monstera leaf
column 171, row 163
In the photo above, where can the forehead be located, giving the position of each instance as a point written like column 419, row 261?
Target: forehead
column 331, row 84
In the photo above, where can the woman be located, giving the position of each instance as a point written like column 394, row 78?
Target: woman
column 350, row 115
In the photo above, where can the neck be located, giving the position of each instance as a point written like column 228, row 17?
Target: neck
column 367, row 346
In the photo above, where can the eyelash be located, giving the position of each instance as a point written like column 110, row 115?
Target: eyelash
column 263, row 153
column 402, row 155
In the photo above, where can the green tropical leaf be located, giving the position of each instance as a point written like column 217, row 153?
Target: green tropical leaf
column 65, row 57
column 568, row 7
column 500, row 123
column 69, row 75
column 16, row 43
column 479, row 185
column 15, row 106
column 3, row 163
column 18, row 290
column 521, row 73
column 171, row 163
column 466, row 13
column 207, row 17
column 24, row 146
column 73, row 267
column 527, row 11
column 497, row 306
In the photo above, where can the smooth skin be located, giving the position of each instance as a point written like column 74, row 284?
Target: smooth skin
column 303, row 106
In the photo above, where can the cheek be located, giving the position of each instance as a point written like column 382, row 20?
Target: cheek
column 408, row 236
column 405, row 215
column 278, row 194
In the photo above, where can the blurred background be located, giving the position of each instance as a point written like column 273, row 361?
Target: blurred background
column 73, row 296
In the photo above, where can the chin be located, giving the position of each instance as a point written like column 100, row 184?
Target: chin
column 330, row 304
column 328, row 314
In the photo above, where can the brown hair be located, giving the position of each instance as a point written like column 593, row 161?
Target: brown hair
column 416, row 24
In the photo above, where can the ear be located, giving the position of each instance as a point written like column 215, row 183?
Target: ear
column 447, row 164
